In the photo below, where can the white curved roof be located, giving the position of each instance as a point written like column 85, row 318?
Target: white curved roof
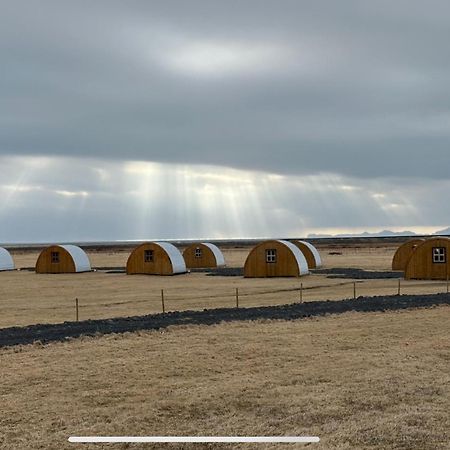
column 314, row 252
column 81, row 260
column 6, row 261
column 299, row 256
column 220, row 260
column 175, row 256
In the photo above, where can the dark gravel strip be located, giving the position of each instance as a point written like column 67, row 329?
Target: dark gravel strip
column 221, row 271
column 358, row 274
column 339, row 272
column 63, row 331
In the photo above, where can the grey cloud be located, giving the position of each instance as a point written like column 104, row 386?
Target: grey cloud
column 356, row 88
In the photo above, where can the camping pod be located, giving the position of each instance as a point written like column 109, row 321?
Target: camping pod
column 403, row 254
column 310, row 253
column 275, row 258
column 6, row 261
column 203, row 255
column 429, row 261
column 156, row 258
column 63, row 259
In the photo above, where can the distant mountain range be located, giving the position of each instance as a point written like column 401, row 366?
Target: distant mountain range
column 384, row 233
column 445, row 231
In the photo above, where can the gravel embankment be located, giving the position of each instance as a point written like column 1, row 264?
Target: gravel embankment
column 63, row 331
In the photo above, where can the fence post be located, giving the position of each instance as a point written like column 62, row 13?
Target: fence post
column 399, row 280
column 354, row 290
column 162, row 301
column 301, row 292
column 76, row 308
column 237, row 298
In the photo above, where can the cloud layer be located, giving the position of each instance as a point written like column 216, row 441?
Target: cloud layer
column 171, row 119
column 355, row 88
column 64, row 199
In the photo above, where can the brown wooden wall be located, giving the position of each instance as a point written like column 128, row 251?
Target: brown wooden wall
column 161, row 264
column 403, row 253
column 257, row 267
column 206, row 260
column 307, row 253
column 420, row 265
column 44, row 262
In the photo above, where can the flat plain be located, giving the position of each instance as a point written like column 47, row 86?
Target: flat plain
column 27, row 298
column 356, row 380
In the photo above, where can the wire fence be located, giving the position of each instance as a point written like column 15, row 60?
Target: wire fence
column 169, row 300
column 55, row 299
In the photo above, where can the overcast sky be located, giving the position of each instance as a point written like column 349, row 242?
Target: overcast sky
column 191, row 119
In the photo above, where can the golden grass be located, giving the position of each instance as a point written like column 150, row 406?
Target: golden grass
column 29, row 298
column 359, row 381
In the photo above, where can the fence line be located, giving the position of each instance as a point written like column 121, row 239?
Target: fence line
column 238, row 293
column 174, row 299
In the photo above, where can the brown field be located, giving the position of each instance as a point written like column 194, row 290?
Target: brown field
column 28, row 298
column 358, row 381
column 370, row 256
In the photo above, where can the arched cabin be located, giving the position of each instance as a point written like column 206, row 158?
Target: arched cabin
column 429, row 261
column 275, row 258
column 63, row 259
column 203, row 255
column 156, row 258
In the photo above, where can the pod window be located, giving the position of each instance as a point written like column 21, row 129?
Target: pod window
column 55, row 257
column 148, row 256
column 439, row 255
column 271, row 255
column 198, row 252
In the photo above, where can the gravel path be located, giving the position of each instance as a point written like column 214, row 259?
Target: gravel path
column 67, row 330
column 222, row 271
column 358, row 274
column 338, row 272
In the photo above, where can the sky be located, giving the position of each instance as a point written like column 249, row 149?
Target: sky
column 179, row 119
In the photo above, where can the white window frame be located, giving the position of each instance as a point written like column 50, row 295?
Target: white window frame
column 198, row 252
column 271, row 255
column 439, row 255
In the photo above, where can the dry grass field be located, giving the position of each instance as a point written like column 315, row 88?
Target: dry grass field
column 359, row 381
column 28, row 298
column 376, row 257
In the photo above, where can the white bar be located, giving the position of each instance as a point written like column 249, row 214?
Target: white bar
column 195, row 439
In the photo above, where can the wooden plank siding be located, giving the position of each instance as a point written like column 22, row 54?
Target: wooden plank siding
column 421, row 266
column 161, row 264
column 206, row 260
column 285, row 266
column 403, row 254
column 44, row 262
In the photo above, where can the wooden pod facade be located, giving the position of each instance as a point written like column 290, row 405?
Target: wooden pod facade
column 6, row 261
column 275, row 259
column 63, row 259
column 429, row 261
column 310, row 253
column 156, row 258
column 203, row 255
column 403, row 254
